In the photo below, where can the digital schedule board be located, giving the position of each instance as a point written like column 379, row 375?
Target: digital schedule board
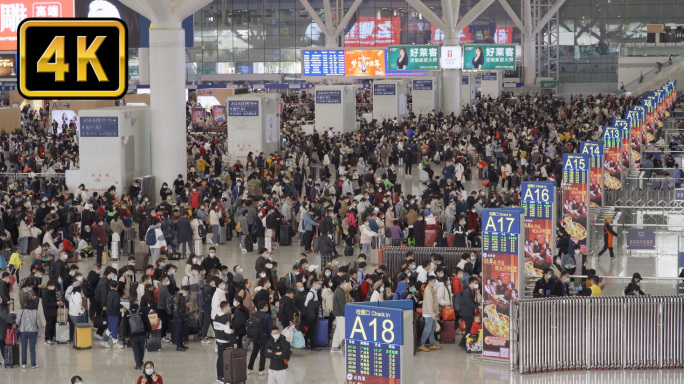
column 374, row 337
column 612, row 164
column 634, row 120
column 323, row 62
column 623, row 126
column 502, row 230
column 538, row 201
column 594, row 149
column 576, row 198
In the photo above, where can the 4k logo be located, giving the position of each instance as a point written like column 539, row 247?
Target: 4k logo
column 73, row 59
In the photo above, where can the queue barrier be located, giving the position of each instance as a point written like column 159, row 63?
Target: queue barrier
column 596, row 333
column 393, row 256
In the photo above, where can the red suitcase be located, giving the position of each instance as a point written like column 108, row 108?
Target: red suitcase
column 430, row 237
column 448, row 333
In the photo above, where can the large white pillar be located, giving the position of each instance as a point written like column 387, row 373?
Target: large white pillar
column 529, row 61
column 144, row 66
column 167, row 83
column 451, row 91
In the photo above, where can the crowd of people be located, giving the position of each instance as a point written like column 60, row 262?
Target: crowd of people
column 324, row 191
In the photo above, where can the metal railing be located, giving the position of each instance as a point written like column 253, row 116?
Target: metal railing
column 595, row 333
column 17, row 176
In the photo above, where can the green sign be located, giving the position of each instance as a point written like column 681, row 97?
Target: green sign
column 548, row 84
column 489, row 57
column 412, row 57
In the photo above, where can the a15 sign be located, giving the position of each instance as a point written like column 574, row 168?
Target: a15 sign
column 575, row 162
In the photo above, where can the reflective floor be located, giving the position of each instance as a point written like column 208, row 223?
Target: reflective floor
column 59, row 363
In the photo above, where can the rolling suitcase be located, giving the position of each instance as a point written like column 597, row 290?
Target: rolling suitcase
column 141, row 260
column 84, row 336
column 153, row 343
column 235, row 365
column 128, row 247
column 349, row 250
column 114, row 249
column 285, row 238
column 223, row 235
column 448, row 332
column 249, row 245
column 430, row 237
column 12, row 355
column 322, row 336
column 62, row 333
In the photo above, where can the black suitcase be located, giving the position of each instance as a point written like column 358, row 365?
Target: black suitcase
column 285, row 238
column 154, row 341
column 349, row 250
column 223, row 235
column 235, row 365
column 128, row 247
column 249, row 245
column 12, row 355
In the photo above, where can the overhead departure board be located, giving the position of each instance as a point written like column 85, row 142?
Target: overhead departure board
column 323, row 62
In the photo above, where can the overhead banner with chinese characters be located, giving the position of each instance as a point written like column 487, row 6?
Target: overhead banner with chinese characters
column 371, row 31
column 612, row 153
column 576, row 198
column 502, row 256
column 489, row 57
column 13, row 12
column 538, row 201
column 412, row 57
column 368, row 62
column 594, row 149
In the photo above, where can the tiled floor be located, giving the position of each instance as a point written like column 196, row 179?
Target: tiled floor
column 449, row 365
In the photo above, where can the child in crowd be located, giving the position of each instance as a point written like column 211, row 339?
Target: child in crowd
column 15, row 263
column 474, row 338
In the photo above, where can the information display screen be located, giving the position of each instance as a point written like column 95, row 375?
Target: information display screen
column 243, row 108
column 501, row 230
column 384, row 89
column 323, row 62
column 537, row 199
column 328, row 97
column 623, row 126
column 612, row 152
column 594, row 149
column 101, row 126
column 576, row 197
column 369, row 362
column 422, row 85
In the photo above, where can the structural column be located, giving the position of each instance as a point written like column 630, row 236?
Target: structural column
column 168, row 149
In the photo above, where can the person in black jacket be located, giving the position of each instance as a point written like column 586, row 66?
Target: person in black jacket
column 100, row 299
column 260, row 341
column 633, row 289
column 260, row 262
column 60, row 270
column 137, row 339
column 278, row 350
column 211, row 262
column 207, row 293
column 113, row 311
column 263, row 294
column 469, row 305
column 327, row 247
column 286, row 308
column 548, row 285
column 223, row 335
column 180, row 311
column 50, row 304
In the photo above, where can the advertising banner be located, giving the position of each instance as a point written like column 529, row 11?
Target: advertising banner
column 451, row 57
column 8, row 65
column 623, row 126
column 371, row 31
column 612, row 166
column 501, row 255
column 369, row 62
column 594, row 149
column 103, row 9
column 13, row 12
column 538, row 201
column 412, row 57
column 634, row 118
column 489, row 57
column 219, row 114
column 198, row 113
column 576, row 198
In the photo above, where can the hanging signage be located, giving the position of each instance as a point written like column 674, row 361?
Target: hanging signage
column 489, row 76
column 576, row 198
column 489, row 57
column 612, row 164
column 451, row 57
column 243, row 108
column 13, row 12
column 328, row 97
column 373, row 340
column 219, row 114
column 99, row 126
column 369, row 62
column 649, row 105
column 641, row 239
column 412, row 57
column 549, row 84
column 538, row 201
column 501, row 254
column 198, row 113
column 634, row 118
column 372, row 31
column 594, row 149
column 623, row 126
column 323, row 62
column 422, row 85
column 384, row 89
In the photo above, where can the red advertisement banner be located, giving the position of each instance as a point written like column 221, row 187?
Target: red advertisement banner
column 369, row 31
column 575, row 213
column 613, row 168
column 198, row 113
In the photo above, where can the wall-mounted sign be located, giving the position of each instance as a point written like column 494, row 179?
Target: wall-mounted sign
column 243, row 108
column 384, row 89
column 328, row 97
column 489, row 57
column 489, row 76
column 451, row 57
column 99, row 126
column 422, row 85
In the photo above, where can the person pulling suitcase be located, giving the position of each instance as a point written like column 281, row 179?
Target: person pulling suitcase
column 224, row 337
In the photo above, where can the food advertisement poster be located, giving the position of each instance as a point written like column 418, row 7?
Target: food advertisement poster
column 501, row 257
column 368, row 62
column 595, row 151
column 575, row 197
column 612, row 164
column 538, row 201
column 219, row 114
column 634, row 120
column 198, row 113
column 623, row 126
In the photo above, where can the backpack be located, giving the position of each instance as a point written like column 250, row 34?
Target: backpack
column 150, row 237
column 202, row 230
column 238, row 322
column 254, row 330
column 456, row 301
column 135, row 321
column 238, row 227
column 170, row 305
column 88, row 290
column 282, row 285
column 133, row 290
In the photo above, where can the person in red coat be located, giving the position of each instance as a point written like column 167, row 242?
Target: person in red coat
column 473, row 228
column 150, row 376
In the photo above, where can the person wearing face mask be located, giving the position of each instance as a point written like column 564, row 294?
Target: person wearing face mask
column 262, row 292
column 60, row 270
column 150, row 376
column 278, row 350
column 50, row 303
column 565, row 283
column 547, row 286
column 211, row 262
column 430, row 316
column 101, row 291
column 259, row 337
column 312, row 305
column 162, row 296
column 469, row 305
column 76, row 380
column 224, row 336
column 260, row 262
column 378, row 293
column 192, row 282
column 180, row 312
column 286, row 308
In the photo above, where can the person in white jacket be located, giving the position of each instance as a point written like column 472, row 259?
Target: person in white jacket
column 219, row 296
column 214, row 219
column 378, row 291
column 155, row 250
